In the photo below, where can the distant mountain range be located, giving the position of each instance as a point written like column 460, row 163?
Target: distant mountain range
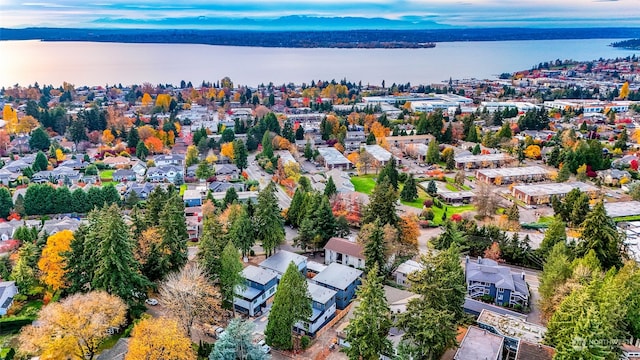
column 313, row 39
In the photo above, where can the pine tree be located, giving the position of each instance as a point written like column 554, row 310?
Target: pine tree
column 141, row 150
column 308, row 153
column 230, row 196
column 556, row 233
column 450, row 160
column 132, row 137
column 292, row 303
column 382, row 204
column 472, row 135
column 599, row 233
column 40, row 163
column 556, row 270
column 409, row 191
column 155, row 203
column 476, row 150
column 297, row 209
column 432, row 189
column 240, row 154
column 267, row 147
column 330, row 188
column 389, row 173
column 375, row 249
column 433, row 152
column 242, row 233
column 211, row 245
column 268, row 221
column 173, row 229
column 39, row 140
column 368, row 330
column 447, row 136
column 6, row 203
column 230, row 276
column 563, row 174
column 237, row 343
column 513, row 214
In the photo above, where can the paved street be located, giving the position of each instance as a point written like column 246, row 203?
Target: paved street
column 255, row 172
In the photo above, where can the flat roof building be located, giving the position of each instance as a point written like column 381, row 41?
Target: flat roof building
column 622, row 208
column 479, row 344
column 333, row 158
column 542, row 193
column 342, row 279
column 513, row 329
column 482, row 161
column 379, row 153
column 279, row 262
column 504, row 176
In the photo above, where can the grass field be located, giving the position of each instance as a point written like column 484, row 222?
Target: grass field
column 106, row 174
column 437, row 212
column 364, row 183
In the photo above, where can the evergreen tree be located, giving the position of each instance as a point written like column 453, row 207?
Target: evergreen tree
column 476, row 150
column 241, row 232
column 211, row 245
column 556, row 270
column 433, row 152
column 563, row 174
column 155, row 203
column 116, row 270
column 204, row 170
column 300, row 133
column 513, row 214
column 330, row 188
column 382, row 204
column 297, row 209
column 409, row 191
column 342, row 226
column 368, row 330
column 40, row 163
column 556, row 233
column 432, row 189
column 375, row 249
column 371, row 139
column 141, row 150
column 132, row 137
column 472, row 134
column 389, row 173
column 599, row 233
column 237, row 343
column 230, row 276
column 267, row 146
column 447, row 136
column 505, row 131
column 230, row 196
column 451, row 235
column 305, row 184
column 268, row 221
column 18, row 207
column 6, row 202
column 173, row 229
column 240, row 154
column 450, row 160
column 308, row 153
column 39, row 140
column 287, row 132
column 292, row 303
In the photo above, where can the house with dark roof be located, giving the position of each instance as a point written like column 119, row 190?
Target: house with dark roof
column 142, row 190
column 344, row 280
column 529, row 351
column 8, row 290
column 486, row 278
column 323, row 309
column 343, row 251
column 221, row 186
column 124, row 175
column 260, row 286
column 279, row 262
column 227, row 172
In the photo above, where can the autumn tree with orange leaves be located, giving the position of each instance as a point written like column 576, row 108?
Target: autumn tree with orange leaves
column 159, row 338
column 154, row 144
column 52, row 263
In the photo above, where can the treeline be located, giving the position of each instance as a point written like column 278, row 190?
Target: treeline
column 43, row 199
column 631, row 44
column 300, row 39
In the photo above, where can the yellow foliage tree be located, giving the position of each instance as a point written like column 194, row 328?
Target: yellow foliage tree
column 60, row 155
column 73, row 328
column 212, row 159
column 9, row 114
column 107, row 137
column 292, row 170
column 163, row 101
column 51, row 262
column 145, row 132
column 379, row 131
column 353, row 157
column 149, row 239
column 146, row 99
column 159, row 338
column 226, row 149
column 339, row 147
column 624, row 90
column 532, row 152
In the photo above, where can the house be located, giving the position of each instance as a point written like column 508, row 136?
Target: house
column 614, row 177
column 332, row 158
column 227, row 172
column 7, row 176
column 279, row 262
column 323, row 310
column 343, row 251
column 74, row 164
column 542, row 193
column 479, row 344
column 512, row 329
column 142, row 190
column 60, row 174
column 474, row 308
column 192, row 197
column 260, row 286
column 169, row 160
column 457, row 197
column 486, row 278
column 354, row 139
column 404, row 270
column 163, row 174
column 402, row 141
column 285, row 156
column 379, row 153
column 222, row 187
column 342, row 279
column 117, row 161
column 529, row 351
column 8, row 290
column 124, row 175
column 140, row 168
column 630, row 352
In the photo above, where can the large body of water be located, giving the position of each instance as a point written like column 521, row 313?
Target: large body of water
column 86, row 63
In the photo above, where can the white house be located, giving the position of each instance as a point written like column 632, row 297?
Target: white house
column 8, row 290
column 343, row 251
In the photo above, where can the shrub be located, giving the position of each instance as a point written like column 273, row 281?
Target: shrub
column 402, row 177
column 427, row 214
column 427, row 203
column 424, row 223
column 305, row 341
column 456, row 217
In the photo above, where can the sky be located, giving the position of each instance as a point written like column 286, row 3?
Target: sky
column 400, row 13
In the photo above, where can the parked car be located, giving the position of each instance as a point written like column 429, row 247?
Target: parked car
column 265, row 349
column 219, row 332
column 151, row 301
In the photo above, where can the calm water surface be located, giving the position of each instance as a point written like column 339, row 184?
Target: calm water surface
column 86, row 63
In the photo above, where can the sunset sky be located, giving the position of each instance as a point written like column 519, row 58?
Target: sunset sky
column 425, row 13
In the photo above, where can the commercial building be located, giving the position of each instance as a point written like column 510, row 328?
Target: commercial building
column 482, row 161
column 479, row 344
column 485, row 278
column 542, row 193
column 504, row 176
column 332, row 158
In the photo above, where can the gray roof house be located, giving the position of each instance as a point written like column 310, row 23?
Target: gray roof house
column 8, row 290
column 486, row 277
column 163, row 173
column 220, row 186
column 169, row 159
column 342, row 279
column 227, row 171
column 7, row 176
column 279, row 262
column 124, row 175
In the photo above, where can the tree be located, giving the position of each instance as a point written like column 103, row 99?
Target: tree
column 292, row 303
column 433, row 152
column 191, row 157
column 486, row 201
column 159, row 338
column 240, row 154
column 368, row 330
column 230, row 277
column 450, row 160
column 189, row 297
column 451, row 235
column 476, row 149
column 382, row 204
column 493, row 252
column 40, row 163
column 6, row 202
column 432, row 189
column 237, row 343
column 52, row 263
column 556, row 233
column 624, row 90
column 330, row 188
column 268, row 221
column 204, row 170
column 211, row 244
column 389, row 173
column 430, row 322
column 141, row 150
column 556, row 271
column 148, row 250
column 73, row 328
column 39, row 140
column 513, row 214
column 242, row 233
column 599, row 233
column 472, row 134
column 308, row 153
column 375, row 249
column 564, row 174
column 300, row 133
column 110, row 247
column 267, row 146
column 173, row 229
column 23, row 272
column 230, row 196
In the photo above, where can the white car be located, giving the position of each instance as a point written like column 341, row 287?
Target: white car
column 151, row 301
column 265, row 349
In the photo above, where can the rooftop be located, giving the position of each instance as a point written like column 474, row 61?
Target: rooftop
column 319, row 293
column 513, row 171
column 482, row 157
column 409, row 266
column 345, row 246
column 529, row 351
column 487, row 270
column 622, row 208
column 332, row 156
column 513, row 327
column 258, row 275
column 378, row 152
column 286, row 156
column 280, row 261
column 479, row 344
column 554, row 188
column 338, row 276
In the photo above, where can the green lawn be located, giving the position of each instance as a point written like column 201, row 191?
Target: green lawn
column 106, row 174
column 545, row 219
column 422, row 196
column 437, row 212
column 451, row 187
column 364, row 183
